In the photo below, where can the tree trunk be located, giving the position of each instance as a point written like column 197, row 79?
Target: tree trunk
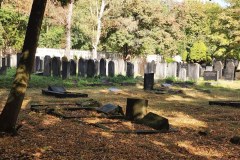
column 9, row 115
column 68, row 31
column 99, row 28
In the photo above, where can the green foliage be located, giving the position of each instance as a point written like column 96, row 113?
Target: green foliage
column 12, row 29
column 198, row 52
column 52, row 37
column 42, row 81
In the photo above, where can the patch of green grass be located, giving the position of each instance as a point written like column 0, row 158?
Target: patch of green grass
column 37, row 81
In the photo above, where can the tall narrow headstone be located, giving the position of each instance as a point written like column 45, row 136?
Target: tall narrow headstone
column 111, row 69
column 73, row 68
column 102, row 67
column 148, row 81
column 65, row 69
column 4, row 62
column 96, row 68
column 18, row 58
column 193, row 71
column 90, row 68
column 142, row 64
column 218, row 66
column 182, row 74
column 82, row 67
column 37, row 63
column 162, row 70
column 130, row 69
column 47, row 66
column 9, row 61
column 229, row 71
column 172, row 69
column 56, row 66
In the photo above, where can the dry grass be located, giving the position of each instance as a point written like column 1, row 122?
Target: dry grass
column 47, row 137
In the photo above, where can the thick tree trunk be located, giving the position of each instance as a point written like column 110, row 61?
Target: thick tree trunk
column 68, row 31
column 9, row 115
column 99, row 29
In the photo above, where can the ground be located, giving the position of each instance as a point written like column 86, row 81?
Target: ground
column 202, row 131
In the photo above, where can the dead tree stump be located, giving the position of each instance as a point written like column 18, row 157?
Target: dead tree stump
column 136, row 108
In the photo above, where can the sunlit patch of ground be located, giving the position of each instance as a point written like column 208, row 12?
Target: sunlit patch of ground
column 47, row 137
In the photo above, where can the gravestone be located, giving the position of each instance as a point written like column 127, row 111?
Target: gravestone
column 182, row 74
column 47, row 66
column 4, row 62
column 18, row 58
column 116, row 67
column 148, row 81
column 153, row 66
column 90, row 68
column 136, row 108
column 185, row 65
column 9, row 61
column 111, row 69
column 136, row 68
column 37, row 63
column 102, row 67
column 201, row 71
column 209, row 68
column 82, row 67
column 96, row 69
column 121, row 67
column 41, row 65
column 229, row 71
column 237, row 75
column 142, row 64
column 172, row 69
column 56, row 66
column 211, row 75
column 218, row 66
column 193, row 71
column 73, row 68
column 65, row 69
column 130, row 69
column 162, row 70
column 0, row 61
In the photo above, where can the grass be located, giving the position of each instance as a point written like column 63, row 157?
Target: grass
column 37, row 81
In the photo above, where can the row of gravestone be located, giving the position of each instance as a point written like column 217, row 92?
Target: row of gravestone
column 90, row 68
column 85, row 67
column 218, row 71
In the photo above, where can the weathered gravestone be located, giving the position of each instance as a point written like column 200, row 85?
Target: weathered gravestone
column 90, row 68
column 172, row 69
column 82, row 67
column 102, row 67
column 182, row 74
column 142, row 63
column 4, row 62
column 13, row 60
column 193, row 71
column 37, row 63
column 201, row 71
column 65, row 69
column 136, row 108
column 111, row 69
column 161, row 70
column 185, row 65
column 148, row 81
column 116, row 67
column 209, row 68
column 130, row 69
column 211, row 75
column 229, row 71
column 47, row 66
column 136, row 68
column 18, row 58
column 8, row 60
column 121, row 67
column 218, row 66
column 96, row 67
column 56, row 66
column 73, row 68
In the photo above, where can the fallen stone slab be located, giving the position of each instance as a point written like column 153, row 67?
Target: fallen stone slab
column 154, row 121
column 60, row 92
column 226, row 103
column 111, row 109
